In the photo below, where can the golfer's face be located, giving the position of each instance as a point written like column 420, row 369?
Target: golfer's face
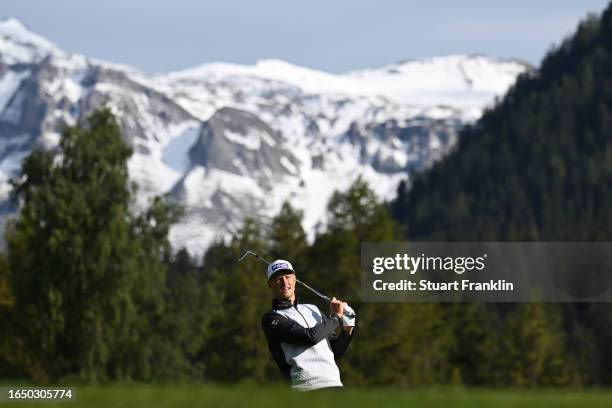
column 283, row 284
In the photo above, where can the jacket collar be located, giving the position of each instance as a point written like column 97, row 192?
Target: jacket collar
column 283, row 304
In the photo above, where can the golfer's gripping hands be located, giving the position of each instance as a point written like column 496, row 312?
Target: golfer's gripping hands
column 338, row 307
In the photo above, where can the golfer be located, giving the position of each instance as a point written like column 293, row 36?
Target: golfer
column 301, row 339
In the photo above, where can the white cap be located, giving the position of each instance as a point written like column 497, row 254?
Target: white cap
column 279, row 265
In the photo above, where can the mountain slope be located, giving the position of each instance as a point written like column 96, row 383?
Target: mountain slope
column 536, row 167
column 227, row 141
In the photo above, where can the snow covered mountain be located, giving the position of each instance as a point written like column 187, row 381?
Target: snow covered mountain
column 229, row 140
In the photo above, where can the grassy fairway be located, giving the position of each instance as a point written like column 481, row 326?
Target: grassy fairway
column 269, row 396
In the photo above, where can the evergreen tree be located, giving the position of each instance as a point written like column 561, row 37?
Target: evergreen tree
column 236, row 349
column 183, row 329
column 287, row 236
column 7, row 345
column 476, row 343
column 533, row 352
column 6, row 298
column 86, row 274
column 397, row 343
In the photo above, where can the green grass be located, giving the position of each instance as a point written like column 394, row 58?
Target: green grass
column 253, row 396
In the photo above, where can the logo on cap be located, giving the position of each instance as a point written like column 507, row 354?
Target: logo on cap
column 280, row 265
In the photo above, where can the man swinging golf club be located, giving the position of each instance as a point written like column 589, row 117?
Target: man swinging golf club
column 301, row 339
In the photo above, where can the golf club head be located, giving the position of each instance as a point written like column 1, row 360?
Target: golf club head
column 247, row 253
column 244, row 255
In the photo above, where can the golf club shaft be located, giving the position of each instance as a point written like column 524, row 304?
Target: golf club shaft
column 322, row 296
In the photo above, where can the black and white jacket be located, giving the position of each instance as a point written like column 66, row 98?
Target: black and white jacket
column 304, row 345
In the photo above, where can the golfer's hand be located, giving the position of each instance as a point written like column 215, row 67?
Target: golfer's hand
column 337, row 307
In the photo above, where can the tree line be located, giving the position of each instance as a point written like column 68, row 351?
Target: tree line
column 92, row 292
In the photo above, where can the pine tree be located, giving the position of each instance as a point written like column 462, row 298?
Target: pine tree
column 287, row 236
column 6, row 298
column 7, row 346
column 183, row 329
column 397, row 343
column 237, row 349
column 86, row 274
column 534, row 352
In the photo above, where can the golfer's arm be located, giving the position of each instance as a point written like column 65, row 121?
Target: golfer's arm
column 284, row 329
column 340, row 343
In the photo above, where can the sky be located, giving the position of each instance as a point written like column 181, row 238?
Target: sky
column 334, row 36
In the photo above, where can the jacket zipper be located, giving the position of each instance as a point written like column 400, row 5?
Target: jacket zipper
column 305, row 321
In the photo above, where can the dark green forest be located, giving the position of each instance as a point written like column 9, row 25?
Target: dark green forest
column 92, row 292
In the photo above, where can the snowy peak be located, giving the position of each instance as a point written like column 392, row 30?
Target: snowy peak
column 19, row 45
column 273, row 69
column 465, row 81
column 466, row 72
column 462, row 81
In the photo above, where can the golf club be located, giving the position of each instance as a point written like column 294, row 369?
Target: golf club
column 349, row 313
